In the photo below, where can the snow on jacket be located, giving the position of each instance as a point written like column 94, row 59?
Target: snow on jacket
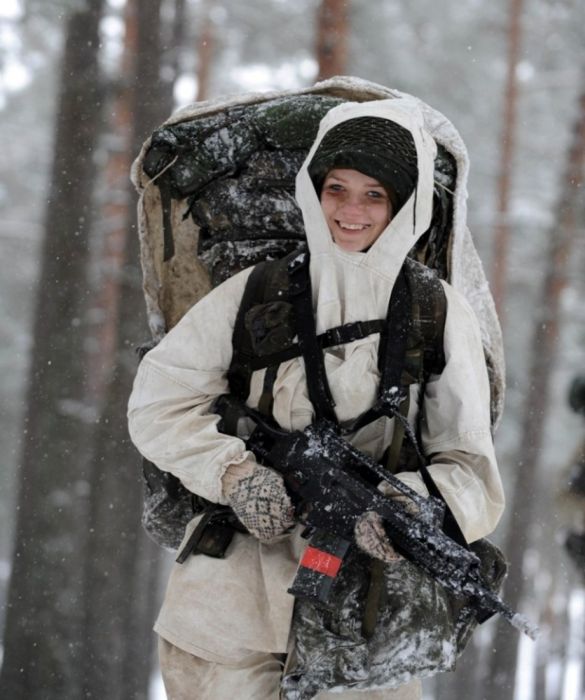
column 224, row 609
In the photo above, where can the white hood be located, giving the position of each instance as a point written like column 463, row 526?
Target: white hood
column 351, row 286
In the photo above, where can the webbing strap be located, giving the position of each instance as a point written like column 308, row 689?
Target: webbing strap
column 340, row 335
column 391, row 357
column 393, row 342
column 164, row 187
column 374, row 596
column 266, row 400
column 302, row 300
column 450, row 524
column 393, row 452
column 240, row 368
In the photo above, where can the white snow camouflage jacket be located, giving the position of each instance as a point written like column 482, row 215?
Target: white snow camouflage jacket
column 225, row 609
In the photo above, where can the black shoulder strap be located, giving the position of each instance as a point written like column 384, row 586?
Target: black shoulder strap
column 301, row 297
column 240, row 372
column 164, row 186
column 411, row 346
column 268, row 280
column 392, row 392
column 416, row 322
column 425, row 354
column 394, row 340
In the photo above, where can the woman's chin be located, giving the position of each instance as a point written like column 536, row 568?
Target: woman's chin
column 351, row 245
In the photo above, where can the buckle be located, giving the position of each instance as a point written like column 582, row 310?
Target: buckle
column 358, row 331
column 336, row 337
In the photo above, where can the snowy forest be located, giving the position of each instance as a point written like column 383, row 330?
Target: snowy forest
column 83, row 83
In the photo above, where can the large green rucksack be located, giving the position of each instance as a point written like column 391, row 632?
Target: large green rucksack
column 216, row 185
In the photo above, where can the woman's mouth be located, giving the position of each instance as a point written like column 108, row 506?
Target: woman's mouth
column 352, row 227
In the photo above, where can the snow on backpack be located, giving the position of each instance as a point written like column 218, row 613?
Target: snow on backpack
column 216, row 185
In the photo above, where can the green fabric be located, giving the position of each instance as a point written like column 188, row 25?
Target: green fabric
column 420, row 630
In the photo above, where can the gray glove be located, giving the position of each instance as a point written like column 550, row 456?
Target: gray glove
column 372, row 539
column 370, row 535
column 259, row 499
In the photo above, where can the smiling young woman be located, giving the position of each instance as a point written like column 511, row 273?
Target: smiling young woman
column 227, row 624
column 357, row 208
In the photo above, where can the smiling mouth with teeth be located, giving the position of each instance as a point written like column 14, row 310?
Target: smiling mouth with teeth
column 353, row 227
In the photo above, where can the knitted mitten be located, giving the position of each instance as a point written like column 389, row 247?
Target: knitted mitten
column 258, row 497
column 372, row 539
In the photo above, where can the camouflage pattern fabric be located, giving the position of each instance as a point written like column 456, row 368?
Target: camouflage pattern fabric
column 236, row 172
column 168, row 507
column 203, row 145
column 421, row 630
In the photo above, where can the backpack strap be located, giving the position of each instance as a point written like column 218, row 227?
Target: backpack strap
column 164, row 186
column 424, row 355
column 340, row 335
column 260, row 285
column 301, row 297
column 414, row 323
column 271, row 286
column 391, row 357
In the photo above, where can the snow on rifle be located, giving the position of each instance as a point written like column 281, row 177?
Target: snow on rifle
column 334, row 484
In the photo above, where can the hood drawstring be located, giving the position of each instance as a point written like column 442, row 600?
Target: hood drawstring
column 414, row 208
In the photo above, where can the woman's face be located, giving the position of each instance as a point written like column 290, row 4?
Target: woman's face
column 356, row 207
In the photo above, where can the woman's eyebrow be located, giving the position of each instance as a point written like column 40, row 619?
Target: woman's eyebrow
column 343, row 180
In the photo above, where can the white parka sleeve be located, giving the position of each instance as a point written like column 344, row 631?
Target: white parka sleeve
column 456, row 429
column 176, row 383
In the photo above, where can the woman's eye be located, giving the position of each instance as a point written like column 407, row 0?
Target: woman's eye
column 374, row 194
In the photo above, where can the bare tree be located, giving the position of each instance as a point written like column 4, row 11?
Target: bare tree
column 173, row 50
column 332, row 38
column 502, row 232
column 44, row 618
column 121, row 564
column 112, row 225
column 527, row 488
column 204, row 50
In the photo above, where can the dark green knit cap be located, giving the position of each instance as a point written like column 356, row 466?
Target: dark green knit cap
column 376, row 147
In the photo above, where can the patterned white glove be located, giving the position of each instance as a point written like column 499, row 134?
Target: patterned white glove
column 259, row 499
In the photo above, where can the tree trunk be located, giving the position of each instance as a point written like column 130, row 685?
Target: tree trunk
column 204, row 51
column 332, row 38
column 500, row 680
column 122, row 565
column 502, row 232
column 113, row 221
column 44, row 617
column 171, row 59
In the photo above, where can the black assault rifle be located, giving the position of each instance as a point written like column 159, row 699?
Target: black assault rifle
column 333, row 484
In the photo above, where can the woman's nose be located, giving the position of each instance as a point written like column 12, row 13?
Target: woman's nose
column 353, row 202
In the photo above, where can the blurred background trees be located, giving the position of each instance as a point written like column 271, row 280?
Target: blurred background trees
column 83, row 82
